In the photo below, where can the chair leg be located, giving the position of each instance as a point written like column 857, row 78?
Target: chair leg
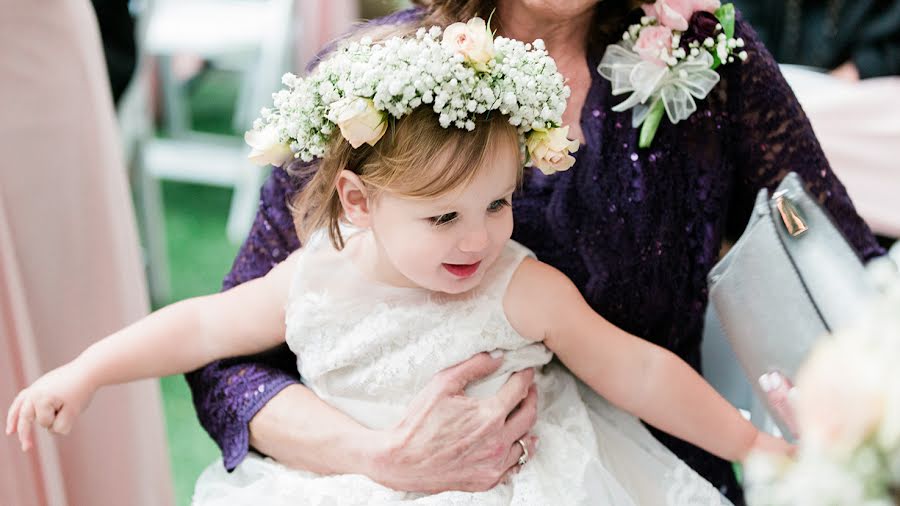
column 153, row 231
column 244, row 203
column 177, row 119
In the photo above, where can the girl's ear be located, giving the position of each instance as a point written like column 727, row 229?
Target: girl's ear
column 354, row 199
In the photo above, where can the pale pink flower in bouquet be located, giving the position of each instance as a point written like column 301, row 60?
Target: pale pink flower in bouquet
column 676, row 14
column 653, row 43
column 841, row 394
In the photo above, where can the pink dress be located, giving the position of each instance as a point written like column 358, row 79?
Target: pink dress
column 70, row 269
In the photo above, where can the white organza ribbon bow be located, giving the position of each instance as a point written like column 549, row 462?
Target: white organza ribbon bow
column 676, row 86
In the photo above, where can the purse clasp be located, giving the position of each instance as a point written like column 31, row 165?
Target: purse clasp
column 793, row 222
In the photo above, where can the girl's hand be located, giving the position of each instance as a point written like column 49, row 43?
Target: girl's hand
column 767, row 443
column 53, row 402
column 449, row 441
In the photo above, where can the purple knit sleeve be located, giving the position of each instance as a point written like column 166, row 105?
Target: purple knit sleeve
column 228, row 393
column 772, row 136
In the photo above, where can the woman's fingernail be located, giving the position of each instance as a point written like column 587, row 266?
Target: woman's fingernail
column 496, row 354
column 765, row 382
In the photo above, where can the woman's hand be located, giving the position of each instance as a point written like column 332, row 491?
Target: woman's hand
column 446, row 441
column 449, row 441
column 53, row 402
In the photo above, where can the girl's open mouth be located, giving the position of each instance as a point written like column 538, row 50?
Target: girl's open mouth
column 462, row 270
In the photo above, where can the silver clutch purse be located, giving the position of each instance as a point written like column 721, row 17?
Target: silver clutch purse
column 790, row 278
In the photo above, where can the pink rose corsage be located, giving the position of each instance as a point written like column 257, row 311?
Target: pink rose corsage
column 669, row 59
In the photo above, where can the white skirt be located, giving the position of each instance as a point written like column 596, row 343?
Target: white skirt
column 589, row 453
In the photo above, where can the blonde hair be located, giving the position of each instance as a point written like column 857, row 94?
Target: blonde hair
column 415, row 158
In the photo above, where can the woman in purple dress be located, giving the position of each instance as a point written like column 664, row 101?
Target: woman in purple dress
column 637, row 230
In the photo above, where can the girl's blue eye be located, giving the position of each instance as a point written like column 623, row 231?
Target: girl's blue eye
column 443, row 219
column 498, row 205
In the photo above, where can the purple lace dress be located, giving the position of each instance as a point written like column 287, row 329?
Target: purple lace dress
column 636, row 229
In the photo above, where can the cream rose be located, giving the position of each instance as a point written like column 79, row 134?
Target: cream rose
column 549, row 149
column 266, row 148
column 676, row 14
column 473, row 40
column 360, row 122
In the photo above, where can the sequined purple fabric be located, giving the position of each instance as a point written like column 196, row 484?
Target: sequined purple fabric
column 636, row 229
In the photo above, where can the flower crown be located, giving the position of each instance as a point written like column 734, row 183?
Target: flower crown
column 460, row 72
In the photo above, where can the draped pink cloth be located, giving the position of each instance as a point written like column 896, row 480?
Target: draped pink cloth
column 70, row 268
column 858, row 126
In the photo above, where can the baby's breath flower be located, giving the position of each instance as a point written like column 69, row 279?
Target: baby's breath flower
column 401, row 74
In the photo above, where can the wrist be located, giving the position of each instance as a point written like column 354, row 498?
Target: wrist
column 85, row 373
column 755, row 443
column 749, row 438
column 767, row 443
column 372, row 454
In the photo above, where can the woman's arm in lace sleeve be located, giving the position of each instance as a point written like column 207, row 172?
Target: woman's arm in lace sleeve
column 771, row 136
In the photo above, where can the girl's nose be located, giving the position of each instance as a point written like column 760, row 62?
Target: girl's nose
column 475, row 240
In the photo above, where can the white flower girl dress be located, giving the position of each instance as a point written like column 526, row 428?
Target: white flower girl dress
column 368, row 348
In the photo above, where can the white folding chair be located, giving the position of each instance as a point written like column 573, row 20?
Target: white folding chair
column 251, row 37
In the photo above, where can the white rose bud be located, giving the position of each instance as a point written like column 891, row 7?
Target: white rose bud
column 473, row 40
column 266, row 148
column 550, row 149
column 360, row 122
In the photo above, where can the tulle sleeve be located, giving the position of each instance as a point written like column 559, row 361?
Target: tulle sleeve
column 771, row 136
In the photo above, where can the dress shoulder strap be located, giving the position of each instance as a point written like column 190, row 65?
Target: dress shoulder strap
column 504, row 267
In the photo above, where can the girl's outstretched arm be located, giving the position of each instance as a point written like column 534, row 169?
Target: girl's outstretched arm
column 642, row 378
column 181, row 337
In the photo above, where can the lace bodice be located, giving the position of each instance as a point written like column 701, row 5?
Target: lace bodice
column 368, row 348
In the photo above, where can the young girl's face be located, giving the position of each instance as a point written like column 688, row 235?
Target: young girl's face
column 446, row 244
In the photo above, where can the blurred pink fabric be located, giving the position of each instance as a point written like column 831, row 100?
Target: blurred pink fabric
column 70, row 267
column 858, row 125
column 318, row 22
